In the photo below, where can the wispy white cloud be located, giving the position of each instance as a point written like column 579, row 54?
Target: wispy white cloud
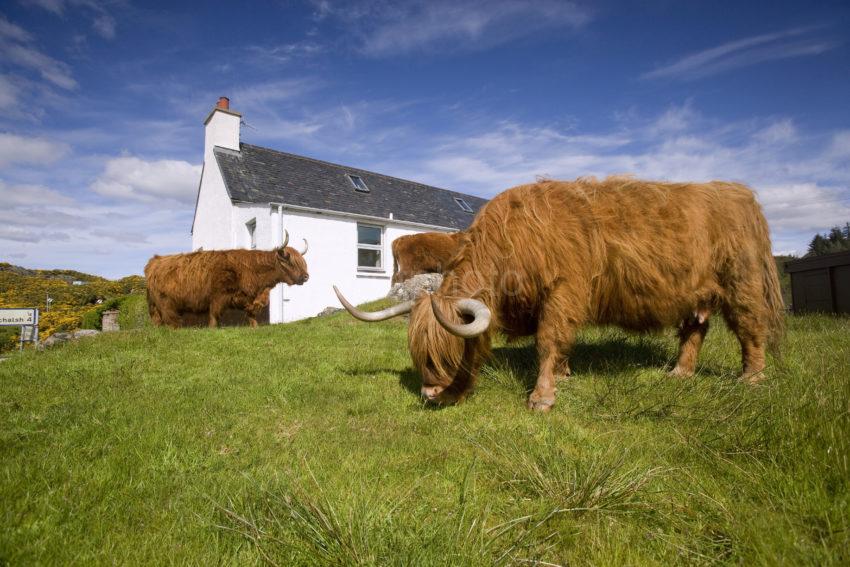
column 31, row 235
column 14, row 32
column 29, row 150
column 18, row 49
column 260, row 95
column 103, row 23
column 781, row 132
column 55, row 6
column 282, row 53
column 107, row 239
column 796, row 42
column 15, row 195
column 50, row 69
column 158, row 181
column 391, row 28
column 9, row 91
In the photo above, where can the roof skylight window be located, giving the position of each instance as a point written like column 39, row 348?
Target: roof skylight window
column 359, row 184
column 463, row 205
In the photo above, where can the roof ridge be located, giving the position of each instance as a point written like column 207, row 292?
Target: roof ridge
column 358, row 169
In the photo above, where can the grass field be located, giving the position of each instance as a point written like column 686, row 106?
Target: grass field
column 306, row 444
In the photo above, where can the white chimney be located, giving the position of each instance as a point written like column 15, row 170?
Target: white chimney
column 222, row 129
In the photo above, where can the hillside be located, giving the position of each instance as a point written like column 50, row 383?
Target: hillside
column 23, row 287
column 306, row 444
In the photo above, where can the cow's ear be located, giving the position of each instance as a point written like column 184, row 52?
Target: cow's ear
column 282, row 254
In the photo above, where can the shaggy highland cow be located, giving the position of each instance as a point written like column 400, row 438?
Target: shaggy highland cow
column 547, row 258
column 424, row 253
column 214, row 280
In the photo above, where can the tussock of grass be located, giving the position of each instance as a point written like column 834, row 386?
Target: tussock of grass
column 303, row 525
column 307, row 444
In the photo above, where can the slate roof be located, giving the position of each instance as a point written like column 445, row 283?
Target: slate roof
column 260, row 175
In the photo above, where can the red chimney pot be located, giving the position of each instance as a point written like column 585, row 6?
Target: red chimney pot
column 223, row 103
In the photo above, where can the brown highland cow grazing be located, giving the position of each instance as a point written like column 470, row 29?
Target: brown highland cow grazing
column 425, row 253
column 547, row 258
column 211, row 281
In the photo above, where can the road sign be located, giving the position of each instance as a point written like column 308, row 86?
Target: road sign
column 26, row 319
column 18, row 317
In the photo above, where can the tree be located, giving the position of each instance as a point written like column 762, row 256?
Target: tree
column 836, row 240
column 818, row 246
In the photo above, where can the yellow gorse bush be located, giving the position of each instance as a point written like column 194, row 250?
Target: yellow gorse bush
column 20, row 287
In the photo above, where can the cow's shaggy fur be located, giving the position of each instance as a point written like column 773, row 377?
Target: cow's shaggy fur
column 214, row 280
column 550, row 257
column 424, row 253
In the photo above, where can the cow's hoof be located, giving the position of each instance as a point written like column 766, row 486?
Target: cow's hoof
column 752, row 378
column 540, row 404
column 680, row 372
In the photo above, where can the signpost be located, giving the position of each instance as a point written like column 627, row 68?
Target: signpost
column 26, row 319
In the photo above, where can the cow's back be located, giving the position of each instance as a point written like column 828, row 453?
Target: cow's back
column 638, row 254
column 188, row 281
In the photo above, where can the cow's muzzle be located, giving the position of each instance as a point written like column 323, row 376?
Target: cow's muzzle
column 431, row 393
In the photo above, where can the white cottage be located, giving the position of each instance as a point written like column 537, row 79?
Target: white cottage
column 248, row 195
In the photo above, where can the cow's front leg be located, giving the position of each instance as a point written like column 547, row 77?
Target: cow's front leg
column 552, row 347
column 543, row 396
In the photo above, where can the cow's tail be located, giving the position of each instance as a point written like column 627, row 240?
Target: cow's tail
column 771, row 289
column 775, row 305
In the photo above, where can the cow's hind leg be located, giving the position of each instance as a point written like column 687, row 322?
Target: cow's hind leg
column 217, row 305
column 691, row 336
column 752, row 334
column 170, row 317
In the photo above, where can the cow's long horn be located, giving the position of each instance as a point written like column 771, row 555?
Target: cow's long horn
column 480, row 318
column 285, row 238
column 306, row 246
column 388, row 313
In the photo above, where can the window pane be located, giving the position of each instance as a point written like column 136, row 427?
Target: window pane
column 368, row 235
column 463, row 204
column 358, row 183
column 368, row 258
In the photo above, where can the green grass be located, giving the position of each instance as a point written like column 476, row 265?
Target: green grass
column 306, row 444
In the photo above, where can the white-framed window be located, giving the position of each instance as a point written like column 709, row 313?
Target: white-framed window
column 359, row 184
column 251, row 226
column 463, row 205
column 370, row 247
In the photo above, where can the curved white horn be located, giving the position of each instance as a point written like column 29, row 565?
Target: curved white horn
column 388, row 313
column 285, row 238
column 480, row 318
column 304, row 252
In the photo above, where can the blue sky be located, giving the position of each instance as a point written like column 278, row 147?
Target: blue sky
column 101, row 134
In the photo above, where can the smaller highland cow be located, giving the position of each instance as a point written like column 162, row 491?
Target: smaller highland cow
column 214, row 280
column 425, row 253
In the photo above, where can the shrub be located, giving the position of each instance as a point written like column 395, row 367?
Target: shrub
column 134, row 312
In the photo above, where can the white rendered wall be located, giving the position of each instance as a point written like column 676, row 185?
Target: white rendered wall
column 241, row 214
column 211, row 230
column 332, row 260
